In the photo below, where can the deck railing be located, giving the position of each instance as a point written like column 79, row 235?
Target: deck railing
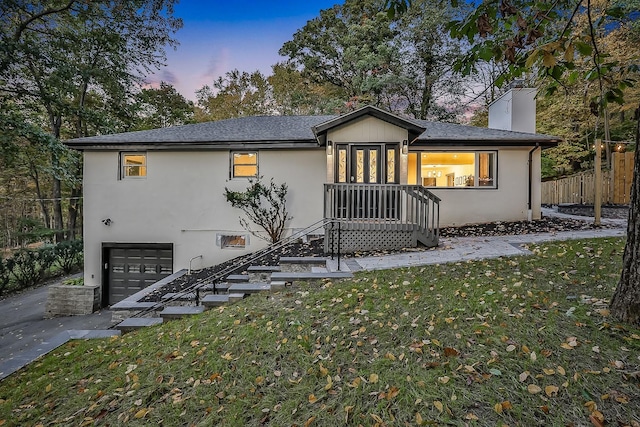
column 384, row 207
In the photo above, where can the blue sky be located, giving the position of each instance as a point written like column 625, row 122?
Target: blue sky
column 221, row 35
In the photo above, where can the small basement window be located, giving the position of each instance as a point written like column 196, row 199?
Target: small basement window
column 232, row 241
column 244, row 164
column 133, row 165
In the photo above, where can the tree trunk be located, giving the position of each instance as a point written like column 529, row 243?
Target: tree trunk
column 625, row 304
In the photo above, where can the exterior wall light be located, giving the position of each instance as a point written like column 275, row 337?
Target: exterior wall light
column 405, row 147
column 329, row 148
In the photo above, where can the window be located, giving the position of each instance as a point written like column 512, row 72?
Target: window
column 133, row 165
column 459, row 169
column 232, row 241
column 244, row 165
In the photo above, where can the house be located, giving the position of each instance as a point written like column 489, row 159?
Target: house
column 154, row 200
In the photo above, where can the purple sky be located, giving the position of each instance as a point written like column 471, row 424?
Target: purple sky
column 220, row 35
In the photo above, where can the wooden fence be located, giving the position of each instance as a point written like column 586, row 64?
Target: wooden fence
column 580, row 188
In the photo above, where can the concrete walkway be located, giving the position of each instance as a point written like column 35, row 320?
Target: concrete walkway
column 470, row 248
column 26, row 335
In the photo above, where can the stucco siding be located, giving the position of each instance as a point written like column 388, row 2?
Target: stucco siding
column 181, row 201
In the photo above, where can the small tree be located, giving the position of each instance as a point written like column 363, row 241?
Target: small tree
column 264, row 205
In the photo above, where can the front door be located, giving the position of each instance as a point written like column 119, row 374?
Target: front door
column 363, row 165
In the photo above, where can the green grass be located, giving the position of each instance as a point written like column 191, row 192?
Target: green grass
column 515, row 341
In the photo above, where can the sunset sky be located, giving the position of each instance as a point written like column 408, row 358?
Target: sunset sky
column 219, row 36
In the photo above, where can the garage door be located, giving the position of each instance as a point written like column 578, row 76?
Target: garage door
column 133, row 269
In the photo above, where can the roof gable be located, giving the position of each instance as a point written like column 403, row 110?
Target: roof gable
column 322, row 128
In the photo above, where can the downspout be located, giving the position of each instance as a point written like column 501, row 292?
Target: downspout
column 529, row 209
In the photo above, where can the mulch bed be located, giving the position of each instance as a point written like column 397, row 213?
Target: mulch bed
column 315, row 247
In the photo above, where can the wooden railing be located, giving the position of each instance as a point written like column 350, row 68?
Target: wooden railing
column 385, row 207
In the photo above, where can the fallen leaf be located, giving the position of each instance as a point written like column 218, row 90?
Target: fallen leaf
column 443, row 380
column 451, row 352
column 309, row 421
column 597, row 419
column 471, row 417
column 48, row 388
column 373, row 378
column 548, row 371
column 498, row 408
column 511, row 348
column 439, row 406
column 551, row 390
column 533, row 389
column 141, row 413
column 313, row 398
column 418, row 419
column 523, row 376
column 561, row 370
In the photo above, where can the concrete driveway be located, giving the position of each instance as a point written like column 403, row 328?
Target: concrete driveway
column 25, row 333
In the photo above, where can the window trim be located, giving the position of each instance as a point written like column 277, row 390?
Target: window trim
column 476, row 178
column 232, row 165
column 122, row 166
column 221, row 237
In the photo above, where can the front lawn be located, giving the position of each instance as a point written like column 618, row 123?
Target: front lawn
column 513, row 341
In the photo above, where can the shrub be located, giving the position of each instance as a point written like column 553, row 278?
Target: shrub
column 30, row 267
column 69, row 255
column 4, row 276
column 265, row 205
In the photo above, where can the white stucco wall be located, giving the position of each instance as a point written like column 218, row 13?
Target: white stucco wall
column 507, row 202
column 515, row 110
column 181, row 202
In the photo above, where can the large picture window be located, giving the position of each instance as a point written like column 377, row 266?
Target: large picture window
column 453, row 169
column 133, row 165
column 244, row 164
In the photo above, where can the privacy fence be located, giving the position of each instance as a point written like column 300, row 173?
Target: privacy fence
column 580, row 188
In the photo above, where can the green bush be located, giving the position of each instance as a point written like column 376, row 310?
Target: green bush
column 69, row 255
column 29, row 267
column 4, row 276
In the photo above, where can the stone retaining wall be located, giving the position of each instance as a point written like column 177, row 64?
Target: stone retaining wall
column 70, row 300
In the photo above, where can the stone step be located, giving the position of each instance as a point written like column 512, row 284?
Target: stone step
column 261, row 273
column 170, row 313
column 237, row 296
column 179, row 297
column 237, row 278
column 301, row 264
column 219, row 288
column 211, row 301
column 291, row 277
column 134, row 323
column 249, row 288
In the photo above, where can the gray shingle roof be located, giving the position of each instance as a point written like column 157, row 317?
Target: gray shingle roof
column 243, row 129
column 298, row 131
column 437, row 132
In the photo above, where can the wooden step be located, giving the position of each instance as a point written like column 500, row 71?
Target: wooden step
column 301, row 264
column 249, row 288
column 171, row 313
column 291, row 277
column 134, row 323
